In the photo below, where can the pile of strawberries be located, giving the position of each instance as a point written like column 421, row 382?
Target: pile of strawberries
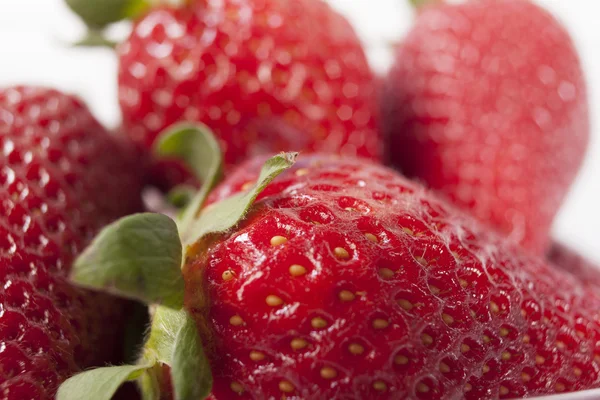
column 434, row 277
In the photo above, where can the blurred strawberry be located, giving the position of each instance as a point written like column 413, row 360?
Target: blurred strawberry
column 486, row 102
column 62, row 177
column 265, row 75
column 580, row 266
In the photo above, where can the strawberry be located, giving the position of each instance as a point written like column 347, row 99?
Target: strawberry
column 568, row 259
column 62, row 178
column 486, row 102
column 345, row 280
column 265, row 75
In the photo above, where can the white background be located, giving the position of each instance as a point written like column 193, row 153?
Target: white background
column 34, row 37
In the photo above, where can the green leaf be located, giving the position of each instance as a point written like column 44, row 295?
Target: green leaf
column 174, row 341
column 190, row 372
column 100, row 13
column 197, row 146
column 138, row 257
column 100, row 383
column 227, row 213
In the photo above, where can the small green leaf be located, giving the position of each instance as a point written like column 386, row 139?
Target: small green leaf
column 100, row 383
column 138, row 257
column 190, row 371
column 197, row 146
column 227, row 213
column 174, row 341
column 100, row 13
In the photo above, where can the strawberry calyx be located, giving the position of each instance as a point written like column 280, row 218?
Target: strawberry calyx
column 142, row 256
column 417, row 4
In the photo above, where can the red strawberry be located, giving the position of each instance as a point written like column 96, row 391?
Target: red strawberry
column 265, row 75
column 569, row 260
column 486, row 102
column 348, row 281
column 62, row 178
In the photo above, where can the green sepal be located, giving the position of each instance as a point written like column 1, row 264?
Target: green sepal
column 100, row 383
column 196, row 145
column 100, row 13
column 224, row 215
column 174, row 341
column 137, row 257
column 422, row 3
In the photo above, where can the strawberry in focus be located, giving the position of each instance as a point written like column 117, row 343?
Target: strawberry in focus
column 62, row 178
column 265, row 75
column 486, row 102
column 348, row 281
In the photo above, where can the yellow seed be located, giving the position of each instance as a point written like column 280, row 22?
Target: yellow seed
column 503, row 332
column 236, row 320
column 341, row 252
column 405, row 304
column 539, row 360
column 297, row 270
column 385, row 273
column 380, row 386
column 372, row 237
column 426, row 339
column 237, row 387
column 503, row 390
column 486, row 339
column 494, row 307
column 560, row 345
column 302, row 172
column 318, row 323
column 506, row 356
column 346, row 295
column 278, row 240
column 560, row 387
column 468, row 387
column 286, row 387
column 328, row 373
column 273, row 300
column 464, row 348
column 434, row 290
column 422, row 388
column 228, row 275
column 257, row 355
column 356, row 349
column 525, row 377
column 401, row 360
column 577, row 371
column 298, row 344
column 408, row 231
column 422, row 261
column 350, row 209
column 526, row 339
column 463, row 283
column 448, row 319
column 380, row 323
column 486, row 369
column 247, row 185
column 444, row 368
column 523, row 312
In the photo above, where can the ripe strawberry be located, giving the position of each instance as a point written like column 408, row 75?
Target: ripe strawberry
column 569, row 260
column 265, row 75
column 486, row 102
column 62, row 178
column 346, row 280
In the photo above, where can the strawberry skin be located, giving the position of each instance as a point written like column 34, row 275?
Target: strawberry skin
column 348, row 281
column 62, row 178
column 486, row 102
column 265, row 75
